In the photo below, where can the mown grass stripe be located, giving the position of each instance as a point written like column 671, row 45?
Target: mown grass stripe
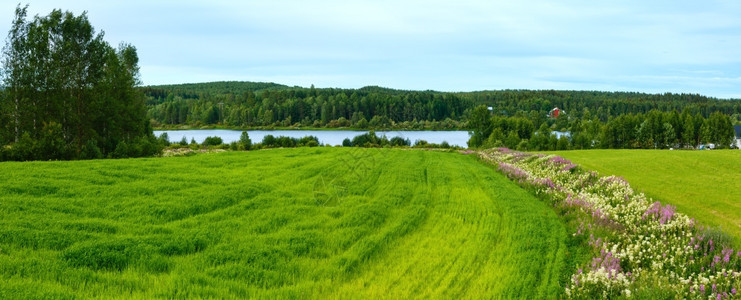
column 705, row 185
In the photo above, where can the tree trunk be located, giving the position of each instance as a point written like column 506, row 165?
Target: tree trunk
column 17, row 132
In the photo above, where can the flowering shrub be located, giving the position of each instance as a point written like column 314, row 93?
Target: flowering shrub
column 644, row 248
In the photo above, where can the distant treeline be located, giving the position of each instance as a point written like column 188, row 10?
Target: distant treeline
column 246, row 104
column 603, row 105
column 250, row 104
column 366, row 140
column 652, row 130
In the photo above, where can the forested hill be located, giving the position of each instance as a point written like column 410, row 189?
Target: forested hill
column 250, row 104
column 602, row 104
column 257, row 104
column 197, row 90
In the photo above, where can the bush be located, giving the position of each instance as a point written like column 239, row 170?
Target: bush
column 369, row 139
column 399, row 141
column 23, row 149
column 268, row 141
column 51, row 143
column 91, row 151
column 245, row 141
column 164, row 139
column 213, row 141
column 420, row 143
column 309, row 140
column 122, row 150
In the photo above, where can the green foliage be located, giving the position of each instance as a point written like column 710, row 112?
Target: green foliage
column 270, row 141
column 91, row 151
column 239, row 225
column 653, row 130
column 242, row 104
column 398, row 141
column 164, row 139
column 481, row 125
column 245, row 142
column 67, row 94
column 370, row 140
column 212, row 141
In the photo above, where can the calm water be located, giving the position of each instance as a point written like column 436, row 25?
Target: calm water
column 331, row 137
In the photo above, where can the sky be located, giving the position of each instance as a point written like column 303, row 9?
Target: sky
column 629, row 45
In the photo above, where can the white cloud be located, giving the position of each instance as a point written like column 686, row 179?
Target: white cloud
column 656, row 46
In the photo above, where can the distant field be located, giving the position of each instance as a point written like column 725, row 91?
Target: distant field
column 703, row 184
column 284, row 223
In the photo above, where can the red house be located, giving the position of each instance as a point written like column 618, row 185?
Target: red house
column 555, row 112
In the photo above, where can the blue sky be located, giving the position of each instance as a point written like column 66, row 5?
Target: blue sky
column 645, row 46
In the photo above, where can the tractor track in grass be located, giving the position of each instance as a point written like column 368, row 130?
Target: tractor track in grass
column 395, row 224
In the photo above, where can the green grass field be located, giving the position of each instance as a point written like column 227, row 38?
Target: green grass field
column 703, row 184
column 285, row 223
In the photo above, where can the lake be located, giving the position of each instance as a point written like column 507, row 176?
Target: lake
column 327, row 137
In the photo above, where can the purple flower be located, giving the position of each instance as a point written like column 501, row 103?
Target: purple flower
column 607, row 261
column 662, row 213
column 726, row 255
column 568, row 167
column 733, row 291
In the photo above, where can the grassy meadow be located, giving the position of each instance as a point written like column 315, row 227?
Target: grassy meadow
column 703, row 184
column 284, row 223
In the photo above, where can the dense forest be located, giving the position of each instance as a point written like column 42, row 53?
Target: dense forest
column 67, row 94
column 512, row 118
column 250, row 104
column 246, row 104
column 652, row 130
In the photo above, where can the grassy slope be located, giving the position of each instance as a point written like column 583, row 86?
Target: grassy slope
column 703, row 184
column 286, row 223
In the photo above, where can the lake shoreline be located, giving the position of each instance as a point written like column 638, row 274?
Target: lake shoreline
column 307, row 128
column 328, row 137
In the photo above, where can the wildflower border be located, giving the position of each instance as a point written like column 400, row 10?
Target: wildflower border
column 640, row 247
